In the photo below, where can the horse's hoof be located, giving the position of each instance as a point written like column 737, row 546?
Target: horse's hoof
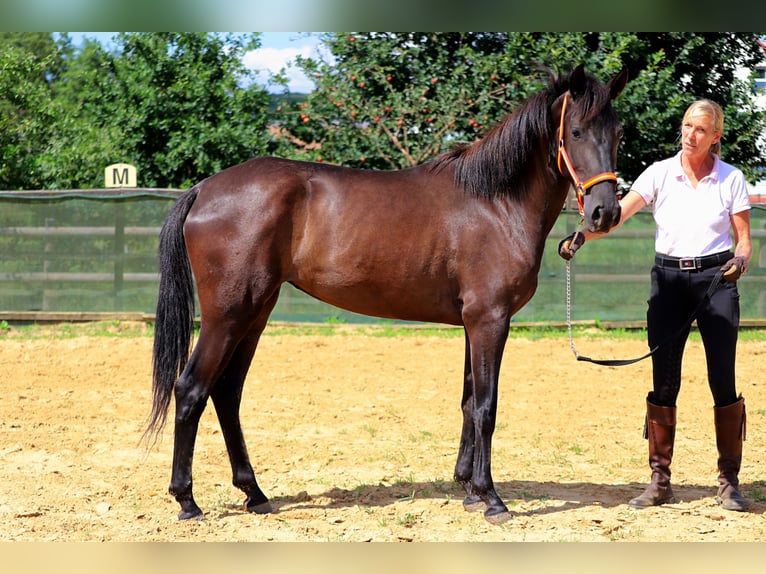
column 474, row 503
column 195, row 514
column 498, row 518
column 262, row 508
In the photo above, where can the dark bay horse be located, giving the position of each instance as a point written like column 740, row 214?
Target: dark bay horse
column 457, row 240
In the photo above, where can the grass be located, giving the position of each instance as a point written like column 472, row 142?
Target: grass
column 408, row 520
column 381, row 329
column 756, row 491
column 72, row 330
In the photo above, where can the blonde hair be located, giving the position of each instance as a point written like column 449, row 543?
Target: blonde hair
column 709, row 108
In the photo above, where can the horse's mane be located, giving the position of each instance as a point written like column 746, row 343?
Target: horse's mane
column 501, row 162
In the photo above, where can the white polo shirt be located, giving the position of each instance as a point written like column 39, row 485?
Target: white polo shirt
column 692, row 222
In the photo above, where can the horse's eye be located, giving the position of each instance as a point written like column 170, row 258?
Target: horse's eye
column 576, row 133
column 620, row 133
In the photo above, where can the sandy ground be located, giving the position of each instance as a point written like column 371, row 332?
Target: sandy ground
column 354, row 438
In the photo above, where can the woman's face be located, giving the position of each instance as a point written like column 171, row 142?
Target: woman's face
column 698, row 134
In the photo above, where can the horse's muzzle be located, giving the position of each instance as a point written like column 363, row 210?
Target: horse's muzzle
column 601, row 208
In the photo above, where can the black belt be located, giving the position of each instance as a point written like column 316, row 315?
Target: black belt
column 692, row 263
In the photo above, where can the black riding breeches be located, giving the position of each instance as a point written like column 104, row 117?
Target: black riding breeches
column 675, row 294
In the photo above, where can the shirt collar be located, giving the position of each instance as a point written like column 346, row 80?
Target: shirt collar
column 678, row 170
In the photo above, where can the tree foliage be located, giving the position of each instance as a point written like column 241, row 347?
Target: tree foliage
column 29, row 64
column 392, row 100
column 181, row 106
column 671, row 70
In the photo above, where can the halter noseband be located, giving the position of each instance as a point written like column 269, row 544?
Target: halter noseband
column 581, row 187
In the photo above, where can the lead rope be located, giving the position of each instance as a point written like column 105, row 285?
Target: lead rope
column 569, row 309
column 621, row 362
column 569, row 299
column 610, row 362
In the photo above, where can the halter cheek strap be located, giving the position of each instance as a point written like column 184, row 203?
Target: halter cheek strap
column 581, row 187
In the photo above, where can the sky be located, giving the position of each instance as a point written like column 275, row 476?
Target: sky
column 278, row 50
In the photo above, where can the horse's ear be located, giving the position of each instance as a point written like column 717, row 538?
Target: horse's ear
column 577, row 81
column 617, row 84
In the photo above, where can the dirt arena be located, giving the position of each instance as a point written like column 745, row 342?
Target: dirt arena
column 354, row 437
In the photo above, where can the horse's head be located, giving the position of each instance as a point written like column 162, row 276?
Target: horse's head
column 589, row 134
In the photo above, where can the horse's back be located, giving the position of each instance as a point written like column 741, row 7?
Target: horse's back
column 269, row 190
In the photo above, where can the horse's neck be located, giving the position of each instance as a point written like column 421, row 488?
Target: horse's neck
column 545, row 202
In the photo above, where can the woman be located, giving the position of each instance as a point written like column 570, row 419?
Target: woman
column 697, row 199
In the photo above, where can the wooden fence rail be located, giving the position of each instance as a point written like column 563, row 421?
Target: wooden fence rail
column 46, row 268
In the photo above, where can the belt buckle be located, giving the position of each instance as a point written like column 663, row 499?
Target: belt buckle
column 687, row 263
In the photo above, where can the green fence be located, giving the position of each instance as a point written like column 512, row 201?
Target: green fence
column 95, row 252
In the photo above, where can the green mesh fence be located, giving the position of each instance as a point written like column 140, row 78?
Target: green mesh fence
column 95, row 251
column 610, row 277
column 87, row 251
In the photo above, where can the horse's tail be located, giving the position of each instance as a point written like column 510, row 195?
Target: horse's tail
column 174, row 321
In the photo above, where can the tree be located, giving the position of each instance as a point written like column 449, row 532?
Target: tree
column 29, row 64
column 83, row 137
column 673, row 69
column 392, row 100
column 182, row 106
column 179, row 106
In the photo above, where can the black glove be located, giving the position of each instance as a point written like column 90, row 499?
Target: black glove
column 570, row 244
column 734, row 268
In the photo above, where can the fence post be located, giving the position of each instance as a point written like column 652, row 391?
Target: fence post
column 48, row 252
column 119, row 253
column 760, row 260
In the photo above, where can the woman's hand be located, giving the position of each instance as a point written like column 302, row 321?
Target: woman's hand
column 570, row 244
column 734, row 268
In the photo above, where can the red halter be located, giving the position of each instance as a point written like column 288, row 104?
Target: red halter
column 581, row 187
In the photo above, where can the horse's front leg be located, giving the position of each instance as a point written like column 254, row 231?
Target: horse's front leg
column 464, row 465
column 487, row 342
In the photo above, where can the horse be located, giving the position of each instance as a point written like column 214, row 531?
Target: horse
column 457, row 240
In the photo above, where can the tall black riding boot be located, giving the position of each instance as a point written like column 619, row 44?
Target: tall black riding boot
column 660, row 431
column 730, row 423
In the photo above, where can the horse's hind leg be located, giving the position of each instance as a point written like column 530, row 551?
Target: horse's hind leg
column 214, row 348
column 190, row 400
column 227, row 396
